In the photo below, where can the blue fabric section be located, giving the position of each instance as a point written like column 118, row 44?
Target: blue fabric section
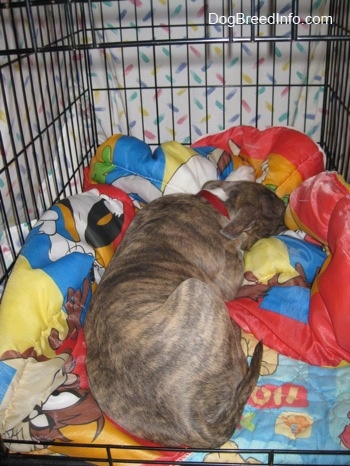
column 228, row 169
column 38, row 243
column 6, row 375
column 310, row 256
column 132, row 156
column 293, row 301
column 69, row 271
column 36, row 247
column 289, row 301
column 205, row 151
column 259, row 425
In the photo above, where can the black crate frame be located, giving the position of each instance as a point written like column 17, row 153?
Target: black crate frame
column 68, row 48
column 271, row 457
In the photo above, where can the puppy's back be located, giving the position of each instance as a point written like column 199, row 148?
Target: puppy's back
column 183, row 380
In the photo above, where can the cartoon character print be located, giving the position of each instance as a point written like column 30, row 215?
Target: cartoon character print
column 70, row 402
column 75, row 307
column 345, row 435
column 264, row 167
column 269, row 361
column 54, row 378
column 222, row 160
column 227, row 454
column 340, row 416
column 65, row 407
column 84, row 223
column 294, row 425
column 255, row 290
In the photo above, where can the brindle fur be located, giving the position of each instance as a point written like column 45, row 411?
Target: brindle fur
column 164, row 359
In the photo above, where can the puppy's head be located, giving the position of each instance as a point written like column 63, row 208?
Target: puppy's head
column 255, row 211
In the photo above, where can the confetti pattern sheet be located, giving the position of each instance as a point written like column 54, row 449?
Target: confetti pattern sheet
column 156, row 93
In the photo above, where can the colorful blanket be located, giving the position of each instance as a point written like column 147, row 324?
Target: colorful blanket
column 293, row 298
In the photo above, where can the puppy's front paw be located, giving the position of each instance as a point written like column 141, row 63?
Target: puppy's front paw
column 243, row 173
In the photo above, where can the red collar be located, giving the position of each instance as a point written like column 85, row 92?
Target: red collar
column 215, row 202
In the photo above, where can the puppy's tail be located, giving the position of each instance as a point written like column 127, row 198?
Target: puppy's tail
column 232, row 417
column 227, row 420
column 250, row 379
column 246, row 386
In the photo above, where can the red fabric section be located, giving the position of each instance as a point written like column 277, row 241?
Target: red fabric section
column 313, row 202
column 333, row 282
column 257, row 144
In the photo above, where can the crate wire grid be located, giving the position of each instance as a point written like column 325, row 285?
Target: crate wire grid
column 51, row 131
column 88, row 24
column 270, row 457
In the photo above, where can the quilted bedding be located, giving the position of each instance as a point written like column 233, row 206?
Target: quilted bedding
column 295, row 298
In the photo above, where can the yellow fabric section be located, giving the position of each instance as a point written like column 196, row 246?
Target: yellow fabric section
column 175, row 156
column 109, row 435
column 69, row 221
column 31, row 307
column 104, row 254
column 268, row 257
column 289, row 219
column 278, row 172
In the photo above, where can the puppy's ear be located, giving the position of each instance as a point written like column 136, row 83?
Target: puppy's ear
column 273, row 211
column 242, row 222
column 270, row 206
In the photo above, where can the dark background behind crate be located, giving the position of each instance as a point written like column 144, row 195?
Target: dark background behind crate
column 51, row 127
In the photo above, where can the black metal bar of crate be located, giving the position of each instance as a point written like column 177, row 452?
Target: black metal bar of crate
column 166, row 42
column 273, row 456
column 335, row 32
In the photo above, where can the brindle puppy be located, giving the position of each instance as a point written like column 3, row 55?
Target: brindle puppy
column 164, row 359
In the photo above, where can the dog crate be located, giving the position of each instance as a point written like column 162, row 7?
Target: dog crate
column 75, row 72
